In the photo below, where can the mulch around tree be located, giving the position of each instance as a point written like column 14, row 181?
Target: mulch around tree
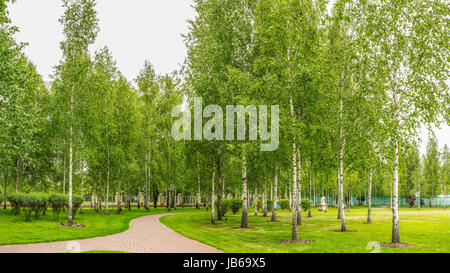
column 300, row 241
column 391, row 245
column 72, row 225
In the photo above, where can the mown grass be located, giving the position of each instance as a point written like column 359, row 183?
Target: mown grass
column 427, row 230
column 14, row 230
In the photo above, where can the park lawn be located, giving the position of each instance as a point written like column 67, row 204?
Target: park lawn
column 14, row 229
column 428, row 230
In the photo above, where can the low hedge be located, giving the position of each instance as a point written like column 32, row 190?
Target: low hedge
column 269, row 205
column 29, row 203
column 57, row 202
column 284, row 203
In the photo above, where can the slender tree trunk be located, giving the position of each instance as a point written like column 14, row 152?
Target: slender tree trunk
column 17, row 174
column 198, row 199
column 5, row 192
column 219, row 186
column 418, row 203
column 275, row 194
column 395, row 218
column 213, row 219
column 338, row 196
column 341, row 171
column 244, row 219
column 310, row 186
column 119, row 198
column 295, row 192
column 64, row 175
column 445, row 194
column 265, row 198
column 82, row 191
column 255, row 200
column 70, row 220
column 369, row 195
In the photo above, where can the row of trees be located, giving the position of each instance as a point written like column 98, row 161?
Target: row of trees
column 352, row 80
column 353, row 85
column 90, row 130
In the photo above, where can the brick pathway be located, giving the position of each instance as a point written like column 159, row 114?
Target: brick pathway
column 145, row 235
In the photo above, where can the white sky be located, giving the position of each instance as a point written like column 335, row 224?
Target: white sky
column 134, row 30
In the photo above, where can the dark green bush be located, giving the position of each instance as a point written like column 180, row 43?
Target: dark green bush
column 77, row 201
column 226, row 206
column 14, row 200
column 29, row 203
column 269, row 205
column 305, row 204
column 57, row 202
column 40, row 203
column 236, row 205
column 284, row 203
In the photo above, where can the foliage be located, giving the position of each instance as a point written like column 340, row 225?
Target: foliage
column 57, row 202
column 305, row 204
column 235, row 205
column 284, row 203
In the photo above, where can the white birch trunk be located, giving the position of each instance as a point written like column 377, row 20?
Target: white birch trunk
column 244, row 220
column 275, row 194
column 255, row 200
column 70, row 217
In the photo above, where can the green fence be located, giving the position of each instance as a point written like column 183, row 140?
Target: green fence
column 386, row 201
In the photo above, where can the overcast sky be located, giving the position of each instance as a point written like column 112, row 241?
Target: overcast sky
column 134, row 30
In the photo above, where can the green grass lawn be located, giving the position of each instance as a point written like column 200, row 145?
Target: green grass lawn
column 428, row 230
column 14, row 229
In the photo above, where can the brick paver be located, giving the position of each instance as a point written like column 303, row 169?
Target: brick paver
column 145, row 235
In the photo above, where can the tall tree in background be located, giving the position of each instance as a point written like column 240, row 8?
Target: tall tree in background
column 408, row 45
column 431, row 169
column 80, row 28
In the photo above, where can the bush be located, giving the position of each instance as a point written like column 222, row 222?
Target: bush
column 284, row 203
column 269, row 205
column 57, row 202
column 40, row 203
column 305, row 204
column 1, row 199
column 14, row 200
column 226, row 206
column 77, row 201
column 411, row 200
column 236, row 205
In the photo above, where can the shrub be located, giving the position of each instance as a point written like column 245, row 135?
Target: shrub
column 236, row 205
column 77, row 201
column 39, row 204
column 411, row 200
column 284, row 203
column 269, row 205
column 1, row 199
column 226, row 206
column 57, row 202
column 305, row 204
column 14, row 200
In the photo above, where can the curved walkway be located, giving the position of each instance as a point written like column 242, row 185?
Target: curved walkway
column 145, row 235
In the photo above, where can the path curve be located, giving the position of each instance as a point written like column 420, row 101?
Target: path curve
column 145, row 235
